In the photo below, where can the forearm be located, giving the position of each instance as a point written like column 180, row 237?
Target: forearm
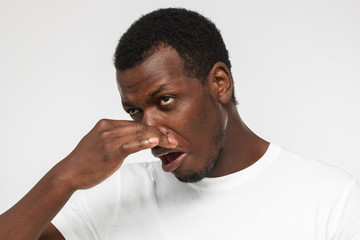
column 31, row 215
column 98, row 155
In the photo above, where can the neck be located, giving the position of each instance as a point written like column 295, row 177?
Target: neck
column 241, row 147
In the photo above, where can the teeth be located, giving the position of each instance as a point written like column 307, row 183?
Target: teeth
column 163, row 154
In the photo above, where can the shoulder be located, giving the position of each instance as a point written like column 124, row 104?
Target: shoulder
column 310, row 173
column 310, row 167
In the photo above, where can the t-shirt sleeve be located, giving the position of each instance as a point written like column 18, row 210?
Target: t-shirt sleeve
column 348, row 217
column 88, row 212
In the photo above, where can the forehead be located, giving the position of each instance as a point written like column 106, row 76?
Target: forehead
column 163, row 68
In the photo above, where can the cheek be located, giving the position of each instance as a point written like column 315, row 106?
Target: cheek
column 202, row 124
column 195, row 122
column 203, row 120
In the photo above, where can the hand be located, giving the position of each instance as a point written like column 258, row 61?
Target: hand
column 103, row 150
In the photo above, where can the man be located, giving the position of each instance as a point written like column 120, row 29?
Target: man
column 174, row 77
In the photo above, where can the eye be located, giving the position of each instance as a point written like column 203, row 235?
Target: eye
column 132, row 111
column 165, row 100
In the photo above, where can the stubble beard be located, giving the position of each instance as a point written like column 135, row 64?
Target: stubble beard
column 211, row 161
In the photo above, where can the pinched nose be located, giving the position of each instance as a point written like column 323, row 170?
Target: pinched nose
column 153, row 118
column 163, row 130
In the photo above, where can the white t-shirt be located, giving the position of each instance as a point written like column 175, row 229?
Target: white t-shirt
column 281, row 196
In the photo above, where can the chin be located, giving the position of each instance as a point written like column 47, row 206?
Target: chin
column 195, row 175
column 192, row 176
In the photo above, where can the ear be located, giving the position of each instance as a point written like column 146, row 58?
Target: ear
column 221, row 82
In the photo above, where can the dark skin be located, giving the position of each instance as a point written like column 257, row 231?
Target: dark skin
column 188, row 116
column 172, row 113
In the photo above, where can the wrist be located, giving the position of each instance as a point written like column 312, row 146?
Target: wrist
column 61, row 179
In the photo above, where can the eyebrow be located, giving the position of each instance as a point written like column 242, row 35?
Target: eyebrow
column 154, row 93
column 126, row 104
column 160, row 89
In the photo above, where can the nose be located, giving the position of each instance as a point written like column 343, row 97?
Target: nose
column 152, row 117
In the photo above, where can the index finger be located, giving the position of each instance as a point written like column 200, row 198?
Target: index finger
column 163, row 139
column 140, row 133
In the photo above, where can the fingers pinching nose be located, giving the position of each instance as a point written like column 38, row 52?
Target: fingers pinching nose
column 163, row 130
column 153, row 140
column 173, row 141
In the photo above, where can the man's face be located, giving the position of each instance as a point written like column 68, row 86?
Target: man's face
column 158, row 93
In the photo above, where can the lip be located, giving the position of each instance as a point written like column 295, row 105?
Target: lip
column 169, row 166
column 161, row 151
column 173, row 165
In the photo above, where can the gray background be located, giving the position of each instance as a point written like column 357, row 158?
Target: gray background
column 296, row 65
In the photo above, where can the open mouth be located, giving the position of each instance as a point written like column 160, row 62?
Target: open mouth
column 170, row 157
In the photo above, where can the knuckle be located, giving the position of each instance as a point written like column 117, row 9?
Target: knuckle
column 140, row 144
column 139, row 134
column 103, row 135
column 103, row 123
column 141, row 126
column 124, row 148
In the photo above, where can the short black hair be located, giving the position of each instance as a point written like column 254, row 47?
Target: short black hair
column 195, row 38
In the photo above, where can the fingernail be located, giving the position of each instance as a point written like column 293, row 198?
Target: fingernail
column 153, row 140
column 163, row 130
column 173, row 141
